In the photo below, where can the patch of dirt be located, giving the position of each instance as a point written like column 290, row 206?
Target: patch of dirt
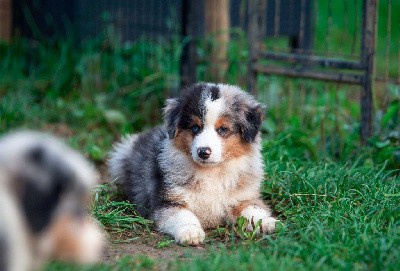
column 148, row 246
column 103, row 171
column 173, row 251
column 59, row 129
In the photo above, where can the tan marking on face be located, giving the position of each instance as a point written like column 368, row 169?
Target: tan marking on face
column 184, row 138
column 234, row 146
column 224, row 121
column 196, row 120
column 183, row 141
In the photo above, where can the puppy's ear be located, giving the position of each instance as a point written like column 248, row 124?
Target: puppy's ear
column 252, row 123
column 171, row 114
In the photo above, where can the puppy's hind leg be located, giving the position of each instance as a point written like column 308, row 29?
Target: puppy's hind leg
column 181, row 223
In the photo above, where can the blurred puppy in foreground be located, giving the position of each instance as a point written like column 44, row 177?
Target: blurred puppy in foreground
column 44, row 192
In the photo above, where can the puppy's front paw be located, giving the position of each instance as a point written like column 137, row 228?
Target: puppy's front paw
column 190, row 235
column 253, row 214
column 268, row 225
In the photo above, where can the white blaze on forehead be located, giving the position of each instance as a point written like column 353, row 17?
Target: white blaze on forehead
column 213, row 111
column 208, row 136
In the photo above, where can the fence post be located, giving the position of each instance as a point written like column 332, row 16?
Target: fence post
column 256, row 11
column 217, row 23
column 367, row 60
column 5, row 19
column 188, row 57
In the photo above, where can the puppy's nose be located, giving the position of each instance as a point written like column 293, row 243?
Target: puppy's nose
column 204, row 152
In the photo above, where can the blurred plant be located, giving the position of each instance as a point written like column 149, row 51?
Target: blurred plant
column 386, row 142
column 165, row 243
column 100, row 90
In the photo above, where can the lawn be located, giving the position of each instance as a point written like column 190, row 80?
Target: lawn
column 335, row 216
column 338, row 203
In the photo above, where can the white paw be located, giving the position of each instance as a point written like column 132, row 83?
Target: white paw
column 253, row 214
column 267, row 225
column 190, row 234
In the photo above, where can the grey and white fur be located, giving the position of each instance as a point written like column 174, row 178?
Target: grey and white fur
column 44, row 189
column 200, row 169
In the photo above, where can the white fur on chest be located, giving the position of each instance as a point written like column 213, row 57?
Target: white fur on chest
column 209, row 200
column 213, row 192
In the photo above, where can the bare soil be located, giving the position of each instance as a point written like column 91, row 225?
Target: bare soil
column 149, row 246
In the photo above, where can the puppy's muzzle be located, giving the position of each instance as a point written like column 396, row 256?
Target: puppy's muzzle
column 204, row 152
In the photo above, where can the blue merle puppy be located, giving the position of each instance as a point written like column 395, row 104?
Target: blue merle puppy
column 202, row 168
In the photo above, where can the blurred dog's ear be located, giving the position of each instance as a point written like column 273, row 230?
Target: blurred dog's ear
column 38, row 205
column 252, row 124
column 171, row 112
column 41, row 191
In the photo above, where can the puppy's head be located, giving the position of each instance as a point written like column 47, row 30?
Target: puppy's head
column 213, row 123
column 51, row 185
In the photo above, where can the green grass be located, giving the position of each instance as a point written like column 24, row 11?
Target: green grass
column 335, row 216
column 339, row 204
column 118, row 217
column 126, row 263
column 91, row 92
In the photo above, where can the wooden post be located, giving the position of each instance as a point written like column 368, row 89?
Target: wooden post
column 256, row 10
column 217, row 23
column 188, row 58
column 5, row 20
column 367, row 60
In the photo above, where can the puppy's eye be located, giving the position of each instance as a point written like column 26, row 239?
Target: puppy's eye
column 222, row 130
column 195, row 129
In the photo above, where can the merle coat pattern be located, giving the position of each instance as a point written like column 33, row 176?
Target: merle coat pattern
column 202, row 168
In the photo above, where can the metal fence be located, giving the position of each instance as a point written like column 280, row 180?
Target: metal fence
column 355, row 43
column 87, row 19
column 353, row 63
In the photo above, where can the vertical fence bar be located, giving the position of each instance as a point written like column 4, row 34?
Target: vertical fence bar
column 217, row 22
column 367, row 59
column 302, row 25
column 398, row 58
column 254, row 32
column 188, row 58
column 388, row 40
column 5, row 19
column 277, row 19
